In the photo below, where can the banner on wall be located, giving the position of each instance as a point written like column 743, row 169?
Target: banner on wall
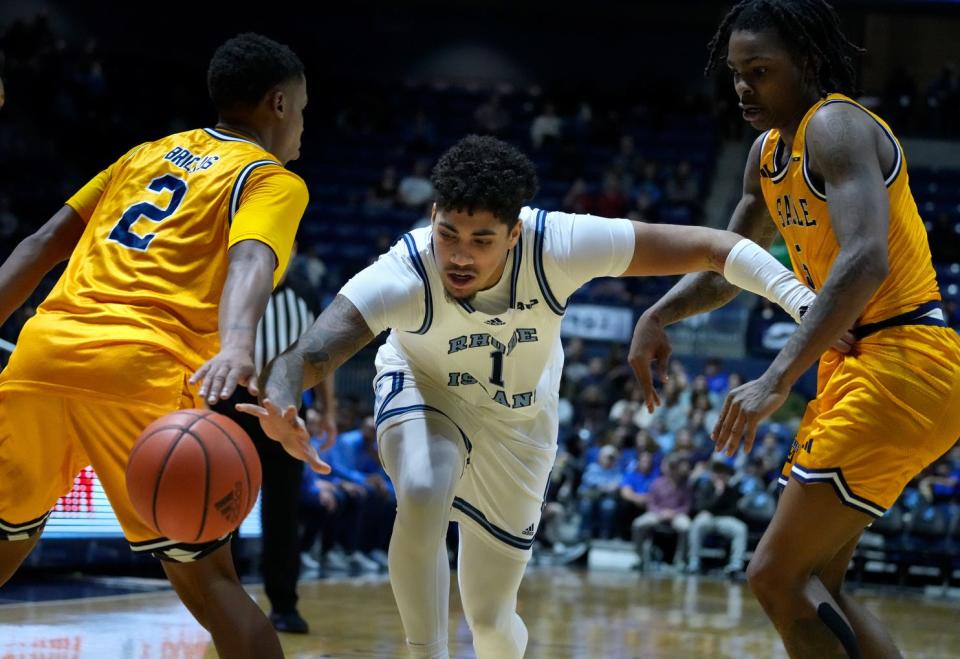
column 598, row 322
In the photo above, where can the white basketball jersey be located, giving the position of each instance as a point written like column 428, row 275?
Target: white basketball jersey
column 509, row 362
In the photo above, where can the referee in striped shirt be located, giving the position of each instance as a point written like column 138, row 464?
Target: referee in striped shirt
column 291, row 310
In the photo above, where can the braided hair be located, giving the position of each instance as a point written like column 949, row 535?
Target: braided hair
column 811, row 30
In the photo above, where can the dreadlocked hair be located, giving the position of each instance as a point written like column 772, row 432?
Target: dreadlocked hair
column 811, row 30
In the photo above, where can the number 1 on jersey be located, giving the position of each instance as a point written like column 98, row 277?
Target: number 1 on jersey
column 497, row 376
column 121, row 232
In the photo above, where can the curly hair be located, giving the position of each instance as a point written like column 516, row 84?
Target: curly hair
column 811, row 30
column 243, row 69
column 484, row 174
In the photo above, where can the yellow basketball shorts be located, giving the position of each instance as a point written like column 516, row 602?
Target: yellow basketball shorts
column 882, row 414
column 53, row 426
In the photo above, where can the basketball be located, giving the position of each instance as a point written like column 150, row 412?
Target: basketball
column 193, row 475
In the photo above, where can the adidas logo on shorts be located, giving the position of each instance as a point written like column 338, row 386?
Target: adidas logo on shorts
column 530, row 530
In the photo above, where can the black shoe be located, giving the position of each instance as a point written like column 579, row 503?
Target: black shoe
column 289, row 623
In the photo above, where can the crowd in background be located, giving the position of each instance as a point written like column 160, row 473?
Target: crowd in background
column 647, row 478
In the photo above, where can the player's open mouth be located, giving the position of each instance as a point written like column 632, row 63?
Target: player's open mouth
column 750, row 112
column 460, row 280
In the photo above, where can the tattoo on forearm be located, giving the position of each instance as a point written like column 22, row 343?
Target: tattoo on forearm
column 696, row 293
column 316, row 356
column 337, row 335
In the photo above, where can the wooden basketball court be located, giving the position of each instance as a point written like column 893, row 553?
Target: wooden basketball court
column 570, row 613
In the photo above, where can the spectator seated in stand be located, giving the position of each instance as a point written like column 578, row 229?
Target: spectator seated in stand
column 358, row 457
column 668, row 510
column 635, row 490
column 715, row 512
column 598, row 494
column 347, row 525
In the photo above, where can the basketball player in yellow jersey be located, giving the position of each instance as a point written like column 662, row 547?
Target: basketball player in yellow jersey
column 832, row 178
column 173, row 251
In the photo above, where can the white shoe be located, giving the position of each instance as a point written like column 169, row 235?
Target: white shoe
column 336, row 561
column 379, row 557
column 361, row 563
column 308, row 561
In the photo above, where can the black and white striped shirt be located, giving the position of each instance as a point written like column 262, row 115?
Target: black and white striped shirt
column 290, row 312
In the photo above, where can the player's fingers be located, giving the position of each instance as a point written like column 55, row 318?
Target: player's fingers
column 215, row 386
column 253, row 410
column 203, row 377
column 329, row 437
column 663, row 362
column 201, row 372
column 252, row 386
column 751, row 434
column 720, row 420
column 290, row 415
column 641, row 368
column 230, row 383
column 726, row 423
column 271, row 408
column 735, row 433
column 312, row 458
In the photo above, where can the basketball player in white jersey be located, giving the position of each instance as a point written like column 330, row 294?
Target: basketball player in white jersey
column 467, row 383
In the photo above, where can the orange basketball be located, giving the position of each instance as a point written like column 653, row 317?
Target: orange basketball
column 193, row 475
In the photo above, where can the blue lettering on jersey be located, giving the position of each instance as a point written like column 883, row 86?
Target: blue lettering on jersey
column 188, row 162
column 484, row 340
column 792, row 215
column 526, row 399
column 456, row 379
column 523, row 400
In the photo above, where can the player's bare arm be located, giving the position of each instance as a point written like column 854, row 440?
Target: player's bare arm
column 35, row 256
column 338, row 334
column 244, row 298
column 700, row 292
column 842, row 148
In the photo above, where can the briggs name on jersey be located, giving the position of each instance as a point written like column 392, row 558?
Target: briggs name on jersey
column 188, row 162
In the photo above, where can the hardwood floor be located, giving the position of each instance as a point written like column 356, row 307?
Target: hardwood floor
column 570, row 613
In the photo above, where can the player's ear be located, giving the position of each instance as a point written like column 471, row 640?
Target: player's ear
column 278, row 101
column 514, row 234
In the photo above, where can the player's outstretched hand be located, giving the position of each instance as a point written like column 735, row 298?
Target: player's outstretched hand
column 649, row 344
column 220, row 376
column 286, row 427
column 743, row 409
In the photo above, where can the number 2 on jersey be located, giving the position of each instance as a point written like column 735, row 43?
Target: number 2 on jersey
column 121, row 232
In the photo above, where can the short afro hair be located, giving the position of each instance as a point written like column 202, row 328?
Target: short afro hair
column 243, row 69
column 484, row 174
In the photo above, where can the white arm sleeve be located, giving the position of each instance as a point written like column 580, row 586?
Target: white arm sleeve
column 578, row 248
column 388, row 294
column 754, row 269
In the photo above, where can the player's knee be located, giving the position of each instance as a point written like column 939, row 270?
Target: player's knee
column 421, row 505
column 764, row 578
column 485, row 628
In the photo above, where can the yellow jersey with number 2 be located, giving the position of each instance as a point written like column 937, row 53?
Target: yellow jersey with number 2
column 151, row 263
